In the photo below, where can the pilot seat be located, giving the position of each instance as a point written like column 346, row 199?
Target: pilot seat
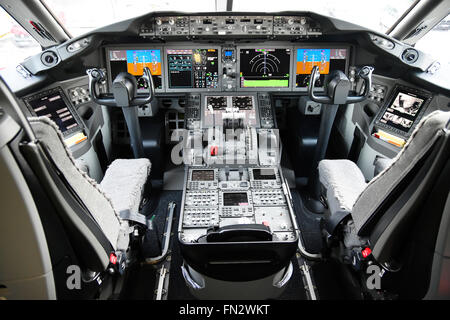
column 375, row 222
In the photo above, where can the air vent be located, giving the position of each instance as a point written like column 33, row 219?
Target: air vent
column 410, row 55
column 49, row 58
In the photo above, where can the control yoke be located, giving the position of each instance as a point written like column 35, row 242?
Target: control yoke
column 336, row 93
column 338, row 87
column 124, row 95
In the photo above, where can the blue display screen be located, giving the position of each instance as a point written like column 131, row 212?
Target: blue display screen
column 228, row 53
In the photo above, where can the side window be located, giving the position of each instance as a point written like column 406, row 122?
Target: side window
column 16, row 44
column 436, row 41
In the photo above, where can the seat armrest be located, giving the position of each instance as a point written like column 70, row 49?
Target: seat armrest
column 329, row 224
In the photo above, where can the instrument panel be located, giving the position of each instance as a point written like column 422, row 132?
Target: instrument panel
column 271, row 66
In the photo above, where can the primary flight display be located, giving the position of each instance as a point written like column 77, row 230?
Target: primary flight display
column 134, row 61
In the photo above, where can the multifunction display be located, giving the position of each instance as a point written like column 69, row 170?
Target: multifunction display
column 264, row 174
column 235, row 199
column 52, row 104
column 327, row 60
column 202, row 175
column 263, row 67
column 133, row 62
column 193, row 68
column 403, row 110
column 230, row 111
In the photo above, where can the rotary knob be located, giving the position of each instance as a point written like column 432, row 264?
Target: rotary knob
column 302, row 20
column 158, row 22
column 171, row 21
column 290, row 21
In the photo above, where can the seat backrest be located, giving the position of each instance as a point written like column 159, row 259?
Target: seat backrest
column 86, row 189
column 399, row 188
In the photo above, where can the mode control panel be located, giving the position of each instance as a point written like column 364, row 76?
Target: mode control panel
column 238, row 25
column 172, row 26
column 206, row 25
column 295, row 25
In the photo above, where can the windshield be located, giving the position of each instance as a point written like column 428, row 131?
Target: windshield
column 77, row 20
column 378, row 15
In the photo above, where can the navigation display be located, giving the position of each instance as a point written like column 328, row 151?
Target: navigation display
column 235, row 199
column 403, row 111
column 193, row 68
column 327, row 60
column 52, row 104
column 264, row 68
column 133, row 62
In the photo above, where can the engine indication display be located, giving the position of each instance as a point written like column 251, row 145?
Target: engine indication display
column 221, row 110
column 193, row 68
column 133, row 62
column 327, row 60
column 264, row 68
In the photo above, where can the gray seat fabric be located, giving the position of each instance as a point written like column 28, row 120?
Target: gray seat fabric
column 381, row 164
column 124, row 183
column 343, row 181
column 97, row 201
column 422, row 139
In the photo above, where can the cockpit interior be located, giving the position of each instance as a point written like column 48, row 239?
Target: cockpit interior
column 225, row 155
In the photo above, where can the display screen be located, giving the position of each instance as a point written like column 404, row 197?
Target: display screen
column 327, row 60
column 193, row 68
column 235, row 199
column 53, row 106
column 264, row 174
column 267, row 68
column 203, row 175
column 229, row 112
column 403, row 111
column 133, row 62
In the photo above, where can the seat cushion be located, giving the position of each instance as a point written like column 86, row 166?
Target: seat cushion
column 343, row 181
column 124, row 183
